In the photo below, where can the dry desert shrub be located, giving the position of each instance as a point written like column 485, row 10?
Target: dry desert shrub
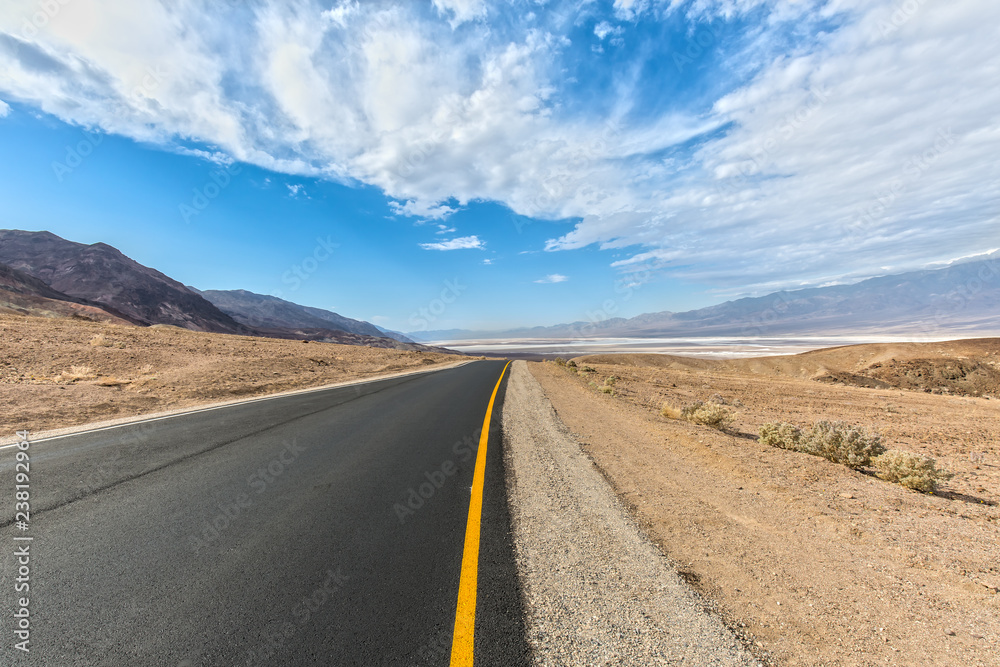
column 850, row 445
column 607, row 389
column 913, row 471
column 783, row 435
column 76, row 373
column 100, row 340
column 670, row 412
column 708, row 414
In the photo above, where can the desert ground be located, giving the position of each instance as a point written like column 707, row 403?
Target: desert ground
column 814, row 563
column 60, row 372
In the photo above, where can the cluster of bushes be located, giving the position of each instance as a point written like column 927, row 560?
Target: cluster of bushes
column 568, row 365
column 857, row 448
column 572, row 364
column 852, row 446
column 714, row 415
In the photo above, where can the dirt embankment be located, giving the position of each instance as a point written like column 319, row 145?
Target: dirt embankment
column 57, row 373
column 821, row 564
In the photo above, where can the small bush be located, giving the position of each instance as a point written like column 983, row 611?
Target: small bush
column 76, row 373
column 610, row 381
column 850, row 445
column 708, row 414
column 588, row 369
column 560, row 361
column 783, row 435
column 571, row 363
column 100, row 340
column 607, row 389
column 670, row 412
column 913, row 471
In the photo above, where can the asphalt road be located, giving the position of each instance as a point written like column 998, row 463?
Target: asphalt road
column 324, row 528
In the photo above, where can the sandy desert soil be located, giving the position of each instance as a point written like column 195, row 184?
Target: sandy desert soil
column 822, row 565
column 61, row 372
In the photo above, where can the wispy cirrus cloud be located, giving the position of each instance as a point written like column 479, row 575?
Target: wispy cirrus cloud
column 552, row 278
column 792, row 143
column 460, row 243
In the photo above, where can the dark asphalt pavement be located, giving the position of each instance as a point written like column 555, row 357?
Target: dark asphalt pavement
column 323, row 528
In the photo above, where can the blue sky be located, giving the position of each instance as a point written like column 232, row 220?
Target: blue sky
column 548, row 161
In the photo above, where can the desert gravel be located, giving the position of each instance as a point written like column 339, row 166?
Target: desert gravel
column 597, row 591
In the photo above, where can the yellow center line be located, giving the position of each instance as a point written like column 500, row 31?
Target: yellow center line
column 463, row 641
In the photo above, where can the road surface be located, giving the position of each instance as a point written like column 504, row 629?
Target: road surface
column 324, row 528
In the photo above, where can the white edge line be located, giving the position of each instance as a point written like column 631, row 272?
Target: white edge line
column 219, row 406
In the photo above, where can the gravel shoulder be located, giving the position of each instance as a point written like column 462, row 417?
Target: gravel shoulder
column 597, row 591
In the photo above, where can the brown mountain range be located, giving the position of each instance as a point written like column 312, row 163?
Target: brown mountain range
column 44, row 274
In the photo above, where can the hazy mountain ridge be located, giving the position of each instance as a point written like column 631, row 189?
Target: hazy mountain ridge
column 960, row 298
column 262, row 310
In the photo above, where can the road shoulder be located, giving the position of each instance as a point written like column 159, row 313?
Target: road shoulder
column 597, row 591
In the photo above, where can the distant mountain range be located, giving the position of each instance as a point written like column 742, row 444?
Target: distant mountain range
column 960, row 299
column 44, row 274
column 261, row 310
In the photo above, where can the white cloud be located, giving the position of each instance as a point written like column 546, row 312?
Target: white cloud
column 462, row 10
column 295, row 189
column 445, row 229
column 603, row 29
column 422, row 209
column 873, row 140
column 552, row 278
column 460, row 243
column 831, row 166
column 487, row 262
column 4, row 109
